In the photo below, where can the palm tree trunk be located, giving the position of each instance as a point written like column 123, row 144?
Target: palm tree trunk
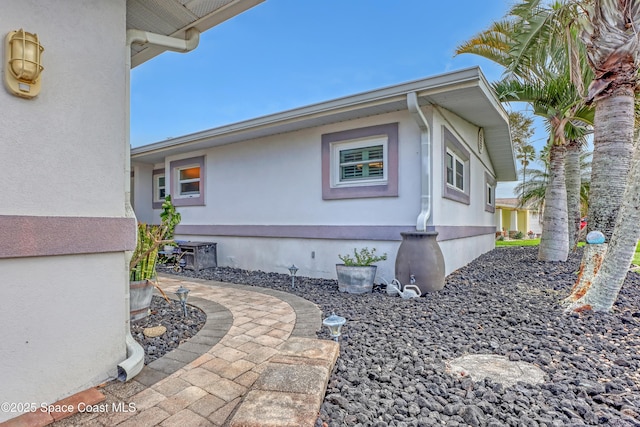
column 617, row 259
column 572, row 170
column 554, row 242
column 612, row 151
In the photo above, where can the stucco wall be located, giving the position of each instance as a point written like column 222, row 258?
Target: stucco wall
column 450, row 212
column 62, row 154
column 276, row 182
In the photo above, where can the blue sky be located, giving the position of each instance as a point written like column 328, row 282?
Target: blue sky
column 284, row 54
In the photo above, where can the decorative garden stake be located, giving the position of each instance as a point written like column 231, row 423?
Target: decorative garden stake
column 334, row 323
column 182, row 294
column 293, row 270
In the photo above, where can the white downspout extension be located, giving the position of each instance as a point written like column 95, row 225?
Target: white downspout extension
column 425, row 156
column 133, row 364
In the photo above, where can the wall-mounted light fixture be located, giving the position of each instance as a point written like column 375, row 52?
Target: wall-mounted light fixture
column 22, row 52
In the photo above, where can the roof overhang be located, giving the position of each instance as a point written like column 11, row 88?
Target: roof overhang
column 174, row 17
column 466, row 93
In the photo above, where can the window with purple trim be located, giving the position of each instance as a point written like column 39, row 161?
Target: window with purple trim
column 360, row 162
column 159, row 188
column 187, row 182
column 456, row 177
column 490, row 193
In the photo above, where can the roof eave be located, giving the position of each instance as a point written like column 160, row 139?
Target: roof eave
column 384, row 100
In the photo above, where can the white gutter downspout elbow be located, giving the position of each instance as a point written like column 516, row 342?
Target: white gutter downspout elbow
column 425, row 156
column 169, row 43
column 133, row 364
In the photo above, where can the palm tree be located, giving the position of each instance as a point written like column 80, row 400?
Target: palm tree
column 521, row 132
column 556, row 100
column 543, row 79
column 612, row 37
column 532, row 192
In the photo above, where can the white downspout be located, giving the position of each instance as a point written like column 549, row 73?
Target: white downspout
column 133, row 364
column 425, row 156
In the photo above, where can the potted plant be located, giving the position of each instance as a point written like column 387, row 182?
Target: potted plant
column 170, row 217
column 357, row 273
column 142, row 269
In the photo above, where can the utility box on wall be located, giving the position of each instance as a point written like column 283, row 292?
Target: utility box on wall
column 199, row 255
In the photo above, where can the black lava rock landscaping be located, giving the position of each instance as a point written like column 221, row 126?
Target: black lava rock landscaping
column 392, row 365
column 169, row 315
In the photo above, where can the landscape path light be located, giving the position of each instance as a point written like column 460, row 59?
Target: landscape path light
column 182, row 293
column 334, row 323
column 293, row 270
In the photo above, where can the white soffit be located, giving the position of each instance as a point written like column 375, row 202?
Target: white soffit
column 174, row 17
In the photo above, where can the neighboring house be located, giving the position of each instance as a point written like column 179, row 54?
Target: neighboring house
column 512, row 218
column 66, row 224
column 305, row 185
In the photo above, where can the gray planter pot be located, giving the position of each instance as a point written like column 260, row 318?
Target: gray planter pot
column 140, row 294
column 355, row 280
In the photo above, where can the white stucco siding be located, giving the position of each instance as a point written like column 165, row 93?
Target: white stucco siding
column 450, row 212
column 62, row 328
column 62, row 161
column 74, row 129
column 278, row 181
column 264, row 202
column 459, row 252
column 314, row 257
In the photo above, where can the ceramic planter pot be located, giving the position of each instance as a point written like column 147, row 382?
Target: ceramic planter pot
column 420, row 261
column 140, row 294
column 355, row 279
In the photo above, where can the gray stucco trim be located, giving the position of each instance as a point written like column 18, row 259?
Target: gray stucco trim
column 157, row 205
column 30, row 236
column 389, row 189
column 334, row 232
column 452, row 143
column 187, row 201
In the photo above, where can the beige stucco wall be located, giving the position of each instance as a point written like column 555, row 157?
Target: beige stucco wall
column 63, row 154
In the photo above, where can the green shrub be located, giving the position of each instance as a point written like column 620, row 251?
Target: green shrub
column 363, row 258
column 519, row 235
column 500, row 239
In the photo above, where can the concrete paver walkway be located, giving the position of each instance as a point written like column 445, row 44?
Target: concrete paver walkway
column 256, row 362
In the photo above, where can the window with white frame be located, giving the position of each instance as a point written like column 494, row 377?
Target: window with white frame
column 455, row 170
column 360, row 162
column 490, row 193
column 187, row 181
column 159, row 188
column 456, row 178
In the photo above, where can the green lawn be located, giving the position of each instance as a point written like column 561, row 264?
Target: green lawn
column 521, row 242
column 636, row 256
column 536, row 242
